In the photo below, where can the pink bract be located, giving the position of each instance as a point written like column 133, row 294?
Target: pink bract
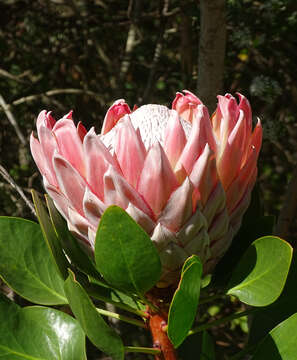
column 184, row 177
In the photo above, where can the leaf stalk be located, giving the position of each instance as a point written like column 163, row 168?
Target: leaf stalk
column 121, row 317
column 145, row 350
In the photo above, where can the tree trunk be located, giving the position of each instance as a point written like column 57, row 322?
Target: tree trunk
column 212, row 46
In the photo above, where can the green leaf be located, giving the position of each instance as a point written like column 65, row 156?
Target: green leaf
column 50, row 236
column 280, row 343
column 127, row 300
column 69, row 243
column 207, row 348
column 197, row 346
column 125, row 254
column 39, row 333
column 260, row 276
column 101, row 335
column 98, row 291
column 26, row 264
column 286, row 305
column 184, row 304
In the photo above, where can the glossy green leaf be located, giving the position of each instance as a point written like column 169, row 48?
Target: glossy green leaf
column 50, row 236
column 125, row 254
column 69, row 243
column 184, row 304
column 98, row 291
column 101, row 335
column 26, row 264
column 39, row 333
column 280, row 343
column 285, row 306
column 260, row 276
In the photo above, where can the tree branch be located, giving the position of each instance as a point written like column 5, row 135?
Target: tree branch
column 53, row 93
column 15, row 186
column 8, row 75
column 11, row 119
column 130, row 44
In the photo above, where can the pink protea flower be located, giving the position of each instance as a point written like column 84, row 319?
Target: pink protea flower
column 185, row 178
column 236, row 149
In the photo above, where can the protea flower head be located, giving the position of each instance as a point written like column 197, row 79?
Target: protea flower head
column 184, row 177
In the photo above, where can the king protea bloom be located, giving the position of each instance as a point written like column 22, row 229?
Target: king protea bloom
column 184, row 177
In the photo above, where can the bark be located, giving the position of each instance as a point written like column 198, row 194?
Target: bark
column 212, row 46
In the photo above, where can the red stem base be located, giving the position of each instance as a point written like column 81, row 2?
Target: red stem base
column 160, row 338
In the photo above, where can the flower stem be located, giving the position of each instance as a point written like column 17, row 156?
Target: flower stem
column 160, row 338
column 121, row 317
column 145, row 350
column 221, row 321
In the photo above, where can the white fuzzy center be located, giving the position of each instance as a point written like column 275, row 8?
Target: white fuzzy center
column 151, row 120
